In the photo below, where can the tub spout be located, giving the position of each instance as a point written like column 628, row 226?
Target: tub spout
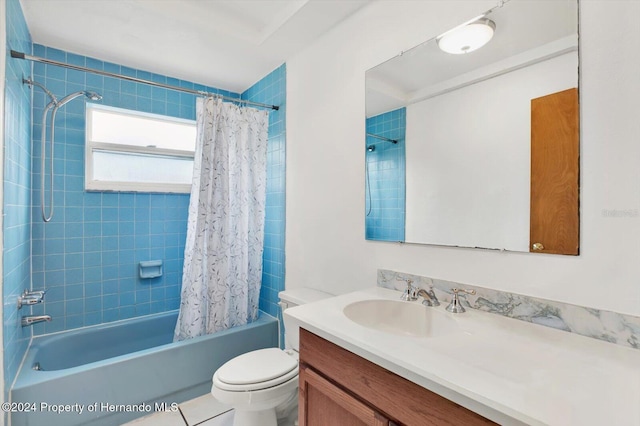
column 33, row 319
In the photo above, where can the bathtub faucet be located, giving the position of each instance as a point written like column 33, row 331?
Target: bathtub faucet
column 31, row 298
column 34, row 319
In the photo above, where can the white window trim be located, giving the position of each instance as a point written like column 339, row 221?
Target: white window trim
column 117, row 186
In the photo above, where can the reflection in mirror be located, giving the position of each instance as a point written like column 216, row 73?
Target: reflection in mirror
column 385, row 176
column 487, row 141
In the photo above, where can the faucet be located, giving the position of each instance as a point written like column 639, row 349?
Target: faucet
column 31, row 298
column 34, row 319
column 410, row 293
column 429, row 296
column 455, row 306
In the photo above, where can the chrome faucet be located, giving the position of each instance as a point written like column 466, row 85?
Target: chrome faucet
column 455, row 306
column 34, row 319
column 429, row 296
column 410, row 293
column 31, row 298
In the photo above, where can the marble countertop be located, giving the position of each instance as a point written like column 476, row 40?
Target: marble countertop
column 509, row 371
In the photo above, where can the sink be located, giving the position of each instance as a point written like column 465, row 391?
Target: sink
column 401, row 318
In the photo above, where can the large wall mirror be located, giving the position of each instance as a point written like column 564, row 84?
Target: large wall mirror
column 479, row 149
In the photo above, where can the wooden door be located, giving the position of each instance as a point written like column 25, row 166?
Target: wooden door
column 555, row 141
column 323, row 403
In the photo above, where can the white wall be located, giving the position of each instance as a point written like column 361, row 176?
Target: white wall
column 468, row 158
column 325, row 245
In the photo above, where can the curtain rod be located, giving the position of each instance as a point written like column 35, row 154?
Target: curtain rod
column 20, row 55
column 382, row 138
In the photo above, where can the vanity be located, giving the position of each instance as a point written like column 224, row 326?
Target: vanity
column 338, row 387
column 471, row 368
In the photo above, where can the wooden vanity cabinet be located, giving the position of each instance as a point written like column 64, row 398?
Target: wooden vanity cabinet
column 338, row 387
column 327, row 404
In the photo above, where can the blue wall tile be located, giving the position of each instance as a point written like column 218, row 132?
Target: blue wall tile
column 385, row 183
column 271, row 90
column 17, row 194
column 92, row 247
column 99, row 238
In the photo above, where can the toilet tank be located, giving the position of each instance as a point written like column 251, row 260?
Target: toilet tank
column 295, row 297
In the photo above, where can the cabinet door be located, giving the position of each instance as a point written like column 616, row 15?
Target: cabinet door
column 323, row 403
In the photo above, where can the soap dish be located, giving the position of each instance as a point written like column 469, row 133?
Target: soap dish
column 150, row 269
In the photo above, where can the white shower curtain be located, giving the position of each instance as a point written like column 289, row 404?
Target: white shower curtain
column 223, row 253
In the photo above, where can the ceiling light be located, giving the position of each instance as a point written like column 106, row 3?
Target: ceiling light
column 467, row 37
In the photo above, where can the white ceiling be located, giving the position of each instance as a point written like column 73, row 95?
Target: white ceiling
column 229, row 44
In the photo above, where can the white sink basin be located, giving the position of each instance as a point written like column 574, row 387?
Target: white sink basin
column 402, row 318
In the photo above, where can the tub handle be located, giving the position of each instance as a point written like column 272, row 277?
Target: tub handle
column 31, row 298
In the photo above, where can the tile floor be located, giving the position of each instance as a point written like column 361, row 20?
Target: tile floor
column 206, row 411
column 201, row 411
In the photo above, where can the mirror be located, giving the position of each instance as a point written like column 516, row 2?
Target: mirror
column 479, row 149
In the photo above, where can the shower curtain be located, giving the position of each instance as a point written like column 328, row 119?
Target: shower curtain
column 222, row 269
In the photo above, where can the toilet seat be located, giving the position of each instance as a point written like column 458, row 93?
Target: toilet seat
column 261, row 369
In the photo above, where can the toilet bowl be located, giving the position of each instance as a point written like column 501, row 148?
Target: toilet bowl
column 258, row 383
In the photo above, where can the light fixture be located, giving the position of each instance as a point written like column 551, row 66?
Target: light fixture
column 467, row 37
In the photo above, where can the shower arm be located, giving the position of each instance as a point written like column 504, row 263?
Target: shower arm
column 32, row 83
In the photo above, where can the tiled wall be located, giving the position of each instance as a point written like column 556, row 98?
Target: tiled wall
column 87, row 256
column 17, row 194
column 385, row 184
column 272, row 90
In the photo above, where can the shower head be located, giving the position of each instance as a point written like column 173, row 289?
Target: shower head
column 93, row 96
column 90, row 95
column 371, row 148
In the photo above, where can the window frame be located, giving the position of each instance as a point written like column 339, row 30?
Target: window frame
column 92, row 185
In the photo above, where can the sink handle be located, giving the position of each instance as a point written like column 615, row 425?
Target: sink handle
column 410, row 293
column 455, row 306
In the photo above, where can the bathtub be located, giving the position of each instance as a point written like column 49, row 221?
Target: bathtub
column 112, row 373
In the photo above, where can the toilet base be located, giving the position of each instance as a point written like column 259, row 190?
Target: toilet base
column 252, row 418
column 258, row 408
column 287, row 412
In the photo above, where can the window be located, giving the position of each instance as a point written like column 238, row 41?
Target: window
column 136, row 151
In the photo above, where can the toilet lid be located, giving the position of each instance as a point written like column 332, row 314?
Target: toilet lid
column 262, row 368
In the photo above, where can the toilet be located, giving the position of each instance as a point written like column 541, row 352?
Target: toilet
column 261, row 384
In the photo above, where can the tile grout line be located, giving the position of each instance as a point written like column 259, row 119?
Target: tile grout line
column 206, row 420
column 183, row 416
